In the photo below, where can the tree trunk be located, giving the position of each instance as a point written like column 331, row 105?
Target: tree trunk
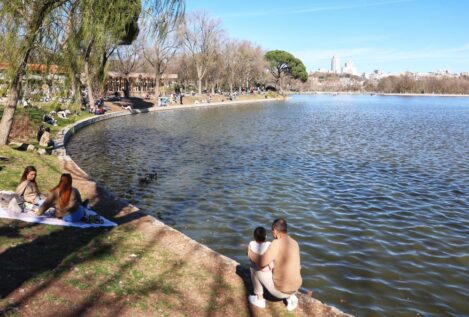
column 13, row 96
column 126, row 87
column 88, row 85
column 15, row 89
column 76, row 89
column 88, row 76
column 9, row 112
column 157, row 84
column 200, row 76
column 278, row 83
column 199, row 83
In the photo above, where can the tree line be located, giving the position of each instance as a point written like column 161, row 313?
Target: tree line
column 426, row 85
column 78, row 35
column 402, row 84
column 204, row 56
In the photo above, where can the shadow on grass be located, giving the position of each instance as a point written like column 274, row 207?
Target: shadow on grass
column 30, row 270
column 45, row 253
column 14, row 231
column 22, row 262
column 68, row 249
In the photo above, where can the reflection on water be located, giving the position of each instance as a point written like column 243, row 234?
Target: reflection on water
column 375, row 189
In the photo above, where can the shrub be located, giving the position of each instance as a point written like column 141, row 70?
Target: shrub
column 272, row 94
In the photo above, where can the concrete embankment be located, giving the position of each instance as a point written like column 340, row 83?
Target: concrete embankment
column 233, row 279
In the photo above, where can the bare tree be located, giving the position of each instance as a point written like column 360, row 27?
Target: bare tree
column 127, row 61
column 161, row 42
column 201, row 36
column 231, row 62
column 182, row 65
column 253, row 63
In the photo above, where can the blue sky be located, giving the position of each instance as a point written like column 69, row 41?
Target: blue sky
column 390, row 35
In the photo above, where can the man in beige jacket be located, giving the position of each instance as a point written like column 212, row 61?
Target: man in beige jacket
column 285, row 280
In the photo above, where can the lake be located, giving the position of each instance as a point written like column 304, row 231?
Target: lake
column 374, row 189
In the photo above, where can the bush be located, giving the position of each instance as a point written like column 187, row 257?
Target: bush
column 272, row 94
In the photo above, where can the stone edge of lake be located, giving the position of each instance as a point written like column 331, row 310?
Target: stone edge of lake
column 65, row 135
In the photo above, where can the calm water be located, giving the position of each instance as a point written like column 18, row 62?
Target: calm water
column 375, row 189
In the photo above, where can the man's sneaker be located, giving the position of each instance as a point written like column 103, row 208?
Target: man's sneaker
column 292, row 302
column 257, row 302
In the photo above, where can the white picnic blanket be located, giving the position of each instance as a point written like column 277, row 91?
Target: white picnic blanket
column 29, row 216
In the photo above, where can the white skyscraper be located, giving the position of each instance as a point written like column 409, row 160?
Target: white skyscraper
column 335, row 64
column 349, row 68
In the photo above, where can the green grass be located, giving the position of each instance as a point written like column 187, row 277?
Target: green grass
column 79, row 284
column 35, row 116
column 122, row 263
column 11, row 169
column 51, row 298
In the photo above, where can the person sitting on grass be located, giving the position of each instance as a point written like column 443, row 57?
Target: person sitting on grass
column 285, row 279
column 45, row 139
column 65, row 199
column 49, row 120
column 40, row 132
column 28, row 189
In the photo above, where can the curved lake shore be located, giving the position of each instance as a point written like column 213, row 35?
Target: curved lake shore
column 232, row 271
column 368, row 185
column 357, row 93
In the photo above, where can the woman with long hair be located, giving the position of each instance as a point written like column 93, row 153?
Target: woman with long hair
column 28, row 188
column 65, row 199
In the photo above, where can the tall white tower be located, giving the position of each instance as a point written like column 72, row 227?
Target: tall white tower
column 335, row 64
column 349, row 68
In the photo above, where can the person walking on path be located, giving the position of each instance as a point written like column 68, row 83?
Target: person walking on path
column 285, row 279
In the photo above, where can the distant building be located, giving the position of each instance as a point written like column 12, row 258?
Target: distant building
column 349, row 68
column 335, row 65
column 138, row 83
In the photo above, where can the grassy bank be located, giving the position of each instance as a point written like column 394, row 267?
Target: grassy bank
column 139, row 268
column 13, row 162
column 49, row 270
column 136, row 269
column 27, row 121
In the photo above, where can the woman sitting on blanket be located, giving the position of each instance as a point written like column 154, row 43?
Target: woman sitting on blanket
column 65, row 199
column 29, row 190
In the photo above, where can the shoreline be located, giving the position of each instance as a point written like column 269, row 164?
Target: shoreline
column 64, row 135
column 370, row 93
column 307, row 305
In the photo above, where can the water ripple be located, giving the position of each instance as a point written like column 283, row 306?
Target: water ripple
column 374, row 189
